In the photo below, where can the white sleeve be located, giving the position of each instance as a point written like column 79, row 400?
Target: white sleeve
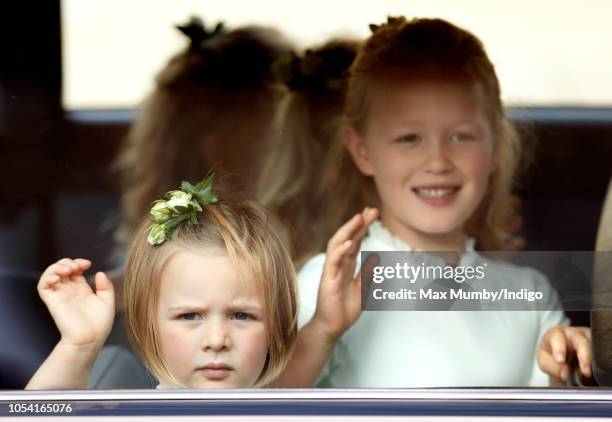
column 309, row 278
column 549, row 317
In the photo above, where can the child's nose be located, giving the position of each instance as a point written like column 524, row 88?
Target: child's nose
column 217, row 336
column 438, row 160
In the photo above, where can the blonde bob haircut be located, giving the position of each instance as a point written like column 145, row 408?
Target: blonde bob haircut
column 404, row 50
column 251, row 236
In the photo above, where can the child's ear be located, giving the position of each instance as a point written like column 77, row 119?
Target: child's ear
column 355, row 145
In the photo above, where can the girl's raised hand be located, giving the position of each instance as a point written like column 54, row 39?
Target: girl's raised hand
column 84, row 318
column 559, row 344
column 339, row 297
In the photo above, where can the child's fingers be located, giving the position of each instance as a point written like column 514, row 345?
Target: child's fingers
column 70, row 263
column 59, row 269
column 369, row 215
column 77, row 266
column 586, row 331
column 67, row 266
column 52, row 275
column 367, row 266
column 83, row 264
column 581, row 344
column 550, row 365
column 47, row 281
column 366, row 274
column 334, row 259
column 104, row 288
column 345, row 232
column 557, row 342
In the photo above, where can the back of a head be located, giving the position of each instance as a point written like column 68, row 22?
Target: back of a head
column 211, row 108
column 250, row 235
column 414, row 50
column 306, row 127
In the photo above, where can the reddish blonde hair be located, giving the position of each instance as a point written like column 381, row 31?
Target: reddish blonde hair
column 402, row 49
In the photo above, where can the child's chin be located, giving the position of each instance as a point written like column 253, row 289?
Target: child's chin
column 214, row 384
column 440, row 228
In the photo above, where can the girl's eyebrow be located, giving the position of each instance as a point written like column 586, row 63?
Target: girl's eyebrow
column 187, row 308
column 236, row 306
column 410, row 123
column 244, row 307
column 470, row 121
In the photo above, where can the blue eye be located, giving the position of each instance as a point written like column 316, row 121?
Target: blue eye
column 190, row 316
column 242, row 316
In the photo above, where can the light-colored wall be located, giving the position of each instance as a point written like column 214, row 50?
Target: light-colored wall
column 547, row 52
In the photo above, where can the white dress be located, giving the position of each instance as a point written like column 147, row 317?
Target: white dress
column 386, row 349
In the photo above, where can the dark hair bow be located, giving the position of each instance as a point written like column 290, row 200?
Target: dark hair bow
column 197, row 33
column 323, row 68
column 390, row 21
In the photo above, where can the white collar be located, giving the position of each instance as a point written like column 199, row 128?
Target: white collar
column 382, row 236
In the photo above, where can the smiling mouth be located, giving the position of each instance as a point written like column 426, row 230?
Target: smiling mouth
column 437, row 196
column 436, row 192
column 216, row 371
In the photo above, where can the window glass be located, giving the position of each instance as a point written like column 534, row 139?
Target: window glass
column 547, row 52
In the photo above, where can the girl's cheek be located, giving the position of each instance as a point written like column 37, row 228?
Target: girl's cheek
column 254, row 348
column 475, row 160
column 177, row 347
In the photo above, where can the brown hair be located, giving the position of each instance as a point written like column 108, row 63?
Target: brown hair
column 402, row 49
column 250, row 235
column 306, row 127
column 211, row 108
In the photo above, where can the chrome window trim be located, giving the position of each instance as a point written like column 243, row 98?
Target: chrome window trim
column 318, row 394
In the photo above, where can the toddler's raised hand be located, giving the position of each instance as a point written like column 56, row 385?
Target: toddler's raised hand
column 339, row 297
column 84, row 318
column 559, row 344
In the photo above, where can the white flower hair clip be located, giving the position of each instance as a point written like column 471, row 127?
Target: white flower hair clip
column 177, row 207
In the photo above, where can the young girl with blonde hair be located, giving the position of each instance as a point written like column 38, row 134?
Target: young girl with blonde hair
column 424, row 141
column 210, row 298
column 302, row 144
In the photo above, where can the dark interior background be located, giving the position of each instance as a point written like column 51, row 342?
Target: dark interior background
column 58, row 197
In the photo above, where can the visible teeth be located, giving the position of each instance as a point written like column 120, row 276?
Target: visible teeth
column 435, row 193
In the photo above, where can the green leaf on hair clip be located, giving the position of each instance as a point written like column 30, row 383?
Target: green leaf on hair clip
column 202, row 192
column 179, row 206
